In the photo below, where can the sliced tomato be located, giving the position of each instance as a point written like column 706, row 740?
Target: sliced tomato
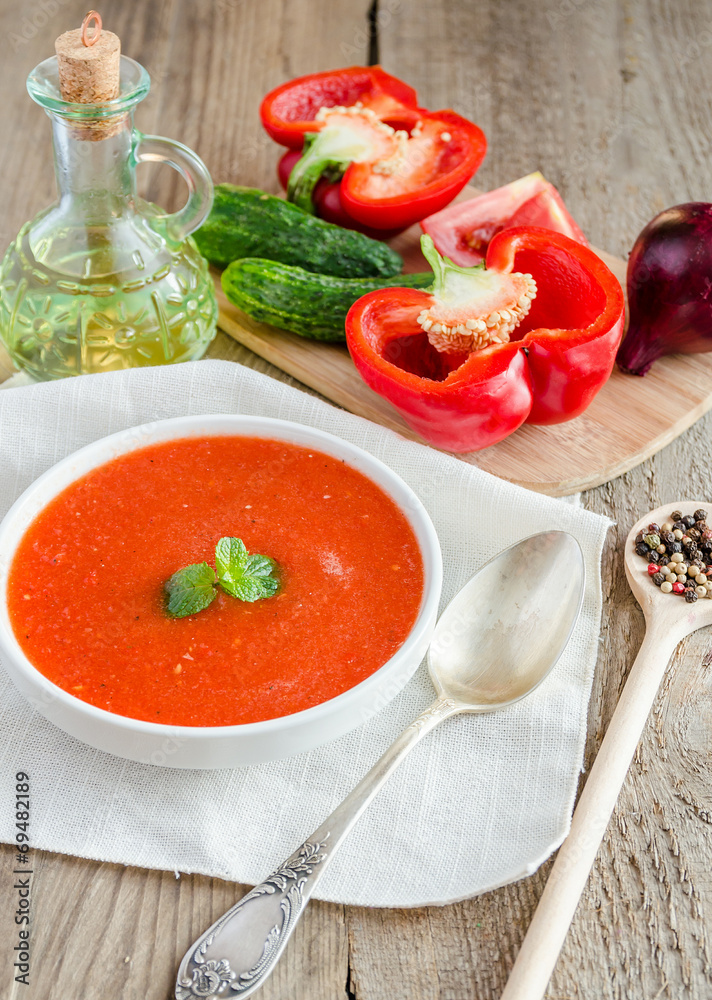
column 463, row 231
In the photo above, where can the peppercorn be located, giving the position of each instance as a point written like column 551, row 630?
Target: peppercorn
column 678, row 554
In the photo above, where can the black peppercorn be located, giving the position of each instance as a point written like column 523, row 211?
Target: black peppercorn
column 658, row 578
column 700, row 515
column 675, row 547
column 700, row 526
column 667, row 537
column 678, row 526
column 694, row 533
column 654, row 557
column 676, row 515
column 690, row 596
column 688, row 520
column 653, row 528
column 642, row 549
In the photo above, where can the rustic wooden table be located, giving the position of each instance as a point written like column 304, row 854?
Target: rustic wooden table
column 612, row 102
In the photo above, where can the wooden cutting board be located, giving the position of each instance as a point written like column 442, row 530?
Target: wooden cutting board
column 629, row 420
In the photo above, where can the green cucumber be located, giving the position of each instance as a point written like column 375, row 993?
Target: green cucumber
column 312, row 305
column 247, row 222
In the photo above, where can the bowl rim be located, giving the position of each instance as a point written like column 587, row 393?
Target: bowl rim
column 143, row 435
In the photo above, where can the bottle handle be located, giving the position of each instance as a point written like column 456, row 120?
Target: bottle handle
column 157, row 149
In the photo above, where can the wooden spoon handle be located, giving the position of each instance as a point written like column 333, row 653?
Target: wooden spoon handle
column 541, row 946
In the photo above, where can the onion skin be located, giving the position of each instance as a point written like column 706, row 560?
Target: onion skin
column 669, row 288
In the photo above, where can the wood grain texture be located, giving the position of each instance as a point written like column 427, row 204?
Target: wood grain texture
column 611, row 100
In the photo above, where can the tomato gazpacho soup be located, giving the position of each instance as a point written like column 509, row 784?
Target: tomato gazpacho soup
column 86, row 590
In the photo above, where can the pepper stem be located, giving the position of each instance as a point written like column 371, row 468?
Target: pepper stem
column 329, row 151
column 443, row 267
column 472, row 307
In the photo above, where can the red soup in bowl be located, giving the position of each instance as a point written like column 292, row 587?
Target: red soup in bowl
column 86, row 598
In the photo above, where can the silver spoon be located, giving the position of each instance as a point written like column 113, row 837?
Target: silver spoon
column 494, row 643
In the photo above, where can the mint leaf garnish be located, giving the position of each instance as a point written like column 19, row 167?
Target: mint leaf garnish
column 190, row 590
column 247, row 577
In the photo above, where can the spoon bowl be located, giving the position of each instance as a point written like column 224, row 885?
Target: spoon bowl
column 505, row 630
column 496, row 641
column 664, row 611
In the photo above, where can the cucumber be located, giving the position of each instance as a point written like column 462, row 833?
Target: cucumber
column 247, row 222
column 312, row 305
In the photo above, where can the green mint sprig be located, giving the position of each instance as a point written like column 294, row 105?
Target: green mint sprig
column 190, row 590
column 247, row 577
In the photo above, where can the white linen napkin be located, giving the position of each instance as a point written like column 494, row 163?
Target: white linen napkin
column 481, row 802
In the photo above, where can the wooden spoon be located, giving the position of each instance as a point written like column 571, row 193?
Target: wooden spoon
column 668, row 619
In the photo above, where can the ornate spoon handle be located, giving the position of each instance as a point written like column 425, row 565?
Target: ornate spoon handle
column 240, row 950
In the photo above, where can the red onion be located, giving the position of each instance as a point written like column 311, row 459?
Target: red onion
column 669, row 288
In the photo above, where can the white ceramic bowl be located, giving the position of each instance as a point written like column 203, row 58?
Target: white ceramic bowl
column 217, row 746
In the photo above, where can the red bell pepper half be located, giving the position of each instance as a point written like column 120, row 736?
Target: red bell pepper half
column 289, row 112
column 396, row 162
column 529, row 335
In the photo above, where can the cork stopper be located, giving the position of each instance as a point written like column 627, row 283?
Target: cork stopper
column 88, row 61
